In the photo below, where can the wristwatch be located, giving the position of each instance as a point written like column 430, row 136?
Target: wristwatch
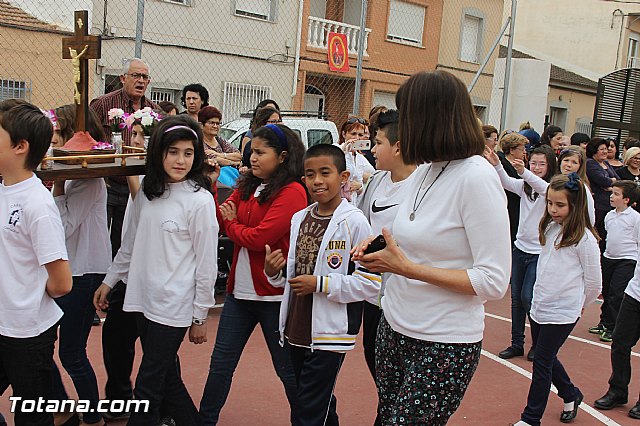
column 197, row 321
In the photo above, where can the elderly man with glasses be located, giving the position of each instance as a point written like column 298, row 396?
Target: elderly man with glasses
column 119, row 331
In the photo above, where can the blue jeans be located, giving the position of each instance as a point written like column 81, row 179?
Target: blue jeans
column 523, row 276
column 237, row 321
column 75, row 326
column 547, row 369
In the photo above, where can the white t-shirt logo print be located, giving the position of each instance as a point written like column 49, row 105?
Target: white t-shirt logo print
column 170, row 226
column 378, row 209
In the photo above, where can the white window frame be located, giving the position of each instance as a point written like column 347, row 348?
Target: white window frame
column 633, row 61
column 238, row 98
column 165, row 95
column 188, row 3
column 402, row 11
column 472, row 13
column 15, row 89
column 248, row 9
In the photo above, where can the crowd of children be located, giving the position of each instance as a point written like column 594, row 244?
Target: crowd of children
column 306, row 265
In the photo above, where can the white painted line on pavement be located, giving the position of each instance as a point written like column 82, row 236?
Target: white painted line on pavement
column 578, row 339
column 584, row 406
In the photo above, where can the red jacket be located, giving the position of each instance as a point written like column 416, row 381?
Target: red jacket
column 260, row 224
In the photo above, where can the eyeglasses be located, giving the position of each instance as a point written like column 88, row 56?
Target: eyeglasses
column 139, row 76
column 213, row 123
column 277, row 121
column 358, row 120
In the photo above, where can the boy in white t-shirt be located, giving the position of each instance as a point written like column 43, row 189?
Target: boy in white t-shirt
column 380, row 204
column 33, row 260
column 619, row 259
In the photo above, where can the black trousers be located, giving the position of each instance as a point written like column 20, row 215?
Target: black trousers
column 115, row 219
column 158, row 379
column 26, row 365
column 625, row 336
column 119, row 334
column 547, row 369
column 616, row 274
column 370, row 319
column 602, row 231
column 316, row 374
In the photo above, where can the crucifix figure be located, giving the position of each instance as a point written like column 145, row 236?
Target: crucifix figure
column 80, row 48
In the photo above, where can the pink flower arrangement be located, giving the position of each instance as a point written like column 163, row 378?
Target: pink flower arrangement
column 102, row 145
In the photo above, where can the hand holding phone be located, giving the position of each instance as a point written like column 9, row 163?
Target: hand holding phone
column 362, row 144
column 377, row 244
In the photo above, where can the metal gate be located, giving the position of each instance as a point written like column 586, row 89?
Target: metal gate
column 617, row 111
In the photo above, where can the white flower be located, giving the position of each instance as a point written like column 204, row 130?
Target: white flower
column 147, row 120
column 115, row 113
column 146, row 109
column 138, row 114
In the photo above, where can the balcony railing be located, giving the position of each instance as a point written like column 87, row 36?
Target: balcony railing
column 319, row 28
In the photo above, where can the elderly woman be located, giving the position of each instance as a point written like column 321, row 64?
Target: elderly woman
column 601, row 176
column 215, row 147
column 631, row 168
column 445, row 260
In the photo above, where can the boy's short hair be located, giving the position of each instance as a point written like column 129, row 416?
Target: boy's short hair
column 27, row 122
column 388, row 121
column 629, row 190
column 332, row 151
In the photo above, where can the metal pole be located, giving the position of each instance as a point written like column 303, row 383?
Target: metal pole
column 139, row 23
column 507, row 70
column 486, row 59
column 361, row 36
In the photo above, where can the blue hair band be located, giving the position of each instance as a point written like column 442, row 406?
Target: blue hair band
column 282, row 138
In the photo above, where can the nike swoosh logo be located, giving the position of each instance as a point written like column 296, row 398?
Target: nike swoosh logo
column 378, row 209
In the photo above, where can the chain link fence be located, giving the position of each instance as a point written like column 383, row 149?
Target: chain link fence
column 244, row 51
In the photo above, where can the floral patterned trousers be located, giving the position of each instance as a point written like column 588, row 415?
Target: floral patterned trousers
column 421, row 382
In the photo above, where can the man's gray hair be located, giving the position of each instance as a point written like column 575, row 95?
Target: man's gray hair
column 127, row 64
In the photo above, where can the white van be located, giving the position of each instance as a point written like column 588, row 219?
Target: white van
column 312, row 131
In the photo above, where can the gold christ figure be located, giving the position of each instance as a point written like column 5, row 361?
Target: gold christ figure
column 75, row 61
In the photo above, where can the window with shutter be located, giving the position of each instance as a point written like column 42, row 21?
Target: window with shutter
column 259, row 9
column 406, row 22
column 470, row 37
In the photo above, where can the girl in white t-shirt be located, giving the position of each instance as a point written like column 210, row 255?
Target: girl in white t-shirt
column 166, row 259
column 568, row 279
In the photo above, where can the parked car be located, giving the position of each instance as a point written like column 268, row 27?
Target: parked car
column 312, row 130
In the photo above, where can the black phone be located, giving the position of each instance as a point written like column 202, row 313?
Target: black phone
column 377, row 244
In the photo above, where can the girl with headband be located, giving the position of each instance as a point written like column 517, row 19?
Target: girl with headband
column 165, row 259
column 257, row 213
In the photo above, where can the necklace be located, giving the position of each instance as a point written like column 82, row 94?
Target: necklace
column 417, row 203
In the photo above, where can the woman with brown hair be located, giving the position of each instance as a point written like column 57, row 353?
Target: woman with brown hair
column 444, row 259
column 215, row 147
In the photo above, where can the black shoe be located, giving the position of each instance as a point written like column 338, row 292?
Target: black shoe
column 606, row 336
column 72, row 421
column 531, row 354
column 609, row 401
column 569, row 416
column 511, row 352
column 96, row 319
column 634, row 413
column 597, row 329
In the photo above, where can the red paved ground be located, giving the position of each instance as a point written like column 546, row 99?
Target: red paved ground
column 496, row 396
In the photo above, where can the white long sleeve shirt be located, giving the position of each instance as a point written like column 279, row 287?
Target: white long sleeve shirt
column 623, row 234
column 567, row 279
column 461, row 224
column 531, row 211
column 83, row 210
column 170, row 252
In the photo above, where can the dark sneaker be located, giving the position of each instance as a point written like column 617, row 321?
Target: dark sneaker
column 634, row 413
column 606, row 336
column 167, row 421
column 531, row 354
column 511, row 352
column 598, row 329
column 113, row 415
column 609, row 401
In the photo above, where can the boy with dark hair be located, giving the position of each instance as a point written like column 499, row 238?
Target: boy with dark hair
column 619, row 258
column 33, row 261
column 380, row 205
column 321, row 310
column 621, row 307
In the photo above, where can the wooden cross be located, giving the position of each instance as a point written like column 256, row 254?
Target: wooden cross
column 80, row 48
